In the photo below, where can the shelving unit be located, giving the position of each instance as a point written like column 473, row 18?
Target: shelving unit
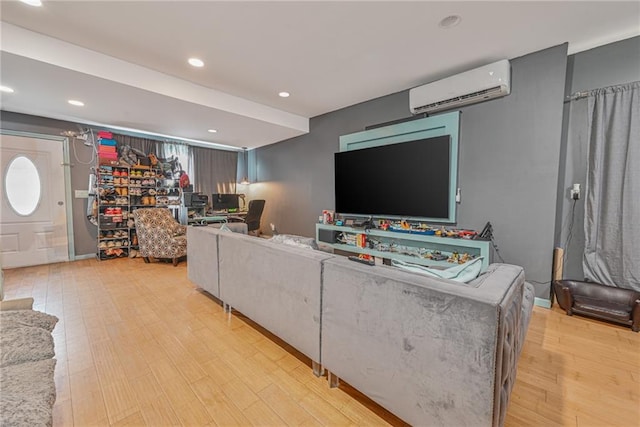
column 122, row 190
column 113, row 212
column 414, row 248
column 169, row 195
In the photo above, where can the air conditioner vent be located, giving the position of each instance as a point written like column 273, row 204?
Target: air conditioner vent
column 481, row 84
column 480, row 95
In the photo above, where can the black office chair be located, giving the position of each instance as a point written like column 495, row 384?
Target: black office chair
column 254, row 213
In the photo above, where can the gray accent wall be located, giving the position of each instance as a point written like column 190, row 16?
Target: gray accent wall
column 84, row 233
column 609, row 65
column 508, row 172
column 509, row 160
column 295, row 176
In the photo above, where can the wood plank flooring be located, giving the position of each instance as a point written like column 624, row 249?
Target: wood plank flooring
column 138, row 344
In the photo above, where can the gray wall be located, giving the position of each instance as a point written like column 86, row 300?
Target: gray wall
column 295, row 177
column 509, row 154
column 84, row 233
column 609, row 65
column 509, row 164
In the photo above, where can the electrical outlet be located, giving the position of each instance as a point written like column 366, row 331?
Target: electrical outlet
column 575, row 192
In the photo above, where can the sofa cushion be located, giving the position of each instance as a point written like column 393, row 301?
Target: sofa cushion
column 459, row 273
column 13, row 318
column 276, row 285
column 293, row 240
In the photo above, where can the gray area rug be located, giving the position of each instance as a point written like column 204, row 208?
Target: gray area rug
column 28, row 394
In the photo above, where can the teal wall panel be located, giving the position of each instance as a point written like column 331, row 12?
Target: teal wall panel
column 428, row 127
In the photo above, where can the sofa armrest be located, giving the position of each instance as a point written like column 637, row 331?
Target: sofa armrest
column 563, row 296
column 17, row 304
column 635, row 317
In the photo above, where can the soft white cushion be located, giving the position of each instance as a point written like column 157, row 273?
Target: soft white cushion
column 460, row 273
column 232, row 227
column 225, row 228
column 297, row 241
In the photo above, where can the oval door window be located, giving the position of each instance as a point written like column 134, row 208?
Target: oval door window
column 22, row 184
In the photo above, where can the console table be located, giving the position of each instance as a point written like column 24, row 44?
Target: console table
column 406, row 247
column 220, row 217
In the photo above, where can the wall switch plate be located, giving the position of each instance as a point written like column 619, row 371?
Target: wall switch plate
column 575, row 192
column 81, row 194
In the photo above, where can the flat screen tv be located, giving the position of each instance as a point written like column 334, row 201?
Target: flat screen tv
column 411, row 180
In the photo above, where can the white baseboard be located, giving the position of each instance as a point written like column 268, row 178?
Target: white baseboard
column 542, row 302
column 86, row 256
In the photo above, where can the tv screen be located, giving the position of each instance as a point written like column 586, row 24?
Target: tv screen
column 409, row 180
column 224, row 202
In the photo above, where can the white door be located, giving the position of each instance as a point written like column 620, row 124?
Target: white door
column 33, row 220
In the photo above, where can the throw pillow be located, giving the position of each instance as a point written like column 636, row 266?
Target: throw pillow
column 297, row 241
column 460, row 273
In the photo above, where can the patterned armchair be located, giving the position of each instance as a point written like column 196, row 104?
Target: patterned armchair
column 160, row 235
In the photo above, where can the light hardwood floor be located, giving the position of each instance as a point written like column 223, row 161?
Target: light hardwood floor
column 138, row 344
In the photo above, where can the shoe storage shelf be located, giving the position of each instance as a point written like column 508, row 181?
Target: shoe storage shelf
column 113, row 212
column 169, row 195
column 121, row 190
column 427, row 250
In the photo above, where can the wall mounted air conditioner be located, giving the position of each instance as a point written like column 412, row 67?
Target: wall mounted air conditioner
column 477, row 85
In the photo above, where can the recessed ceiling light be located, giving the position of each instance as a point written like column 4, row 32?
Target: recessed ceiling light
column 284, row 94
column 196, row 62
column 6, row 89
column 212, row 130
column 450, row 21
column 76, row 103
column 32, row 2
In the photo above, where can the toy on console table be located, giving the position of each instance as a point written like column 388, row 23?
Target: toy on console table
column 327, row 217
column 406, row 227
column 459, row 258
column 363, row 258
column 420, row 228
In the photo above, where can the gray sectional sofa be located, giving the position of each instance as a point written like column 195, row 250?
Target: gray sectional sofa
column 431, row 351
column 276, row 286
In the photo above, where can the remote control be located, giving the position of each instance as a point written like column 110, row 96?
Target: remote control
column 362, row 260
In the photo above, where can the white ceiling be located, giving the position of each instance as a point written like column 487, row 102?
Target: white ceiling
column 127, row 60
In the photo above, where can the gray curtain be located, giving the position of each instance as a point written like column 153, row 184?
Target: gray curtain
column 214, row 170
column 612, row 208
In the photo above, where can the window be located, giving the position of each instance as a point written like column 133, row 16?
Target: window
column 22, row 185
